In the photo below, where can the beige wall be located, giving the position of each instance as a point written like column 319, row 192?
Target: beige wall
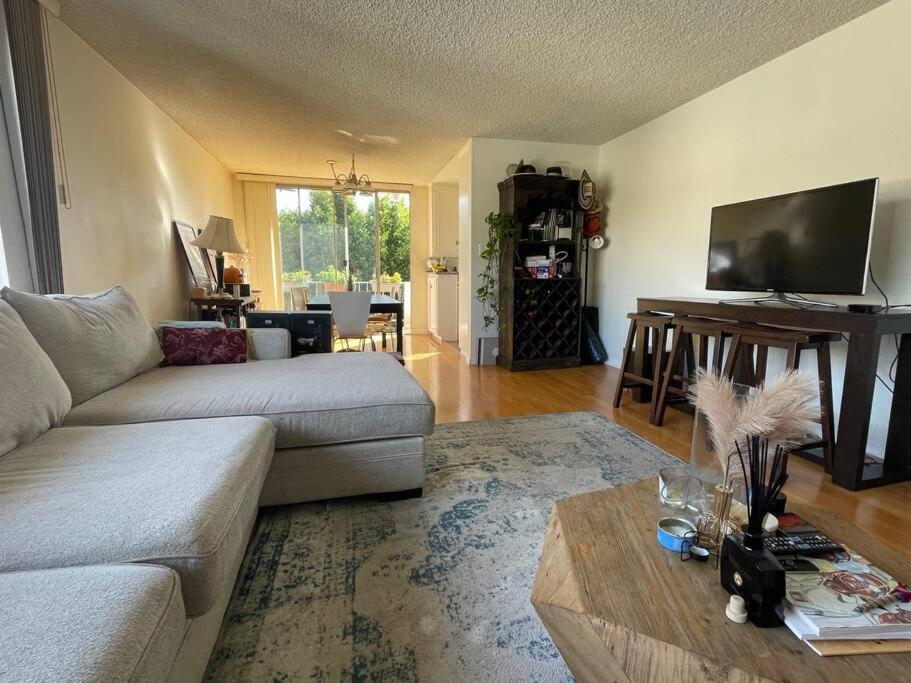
column 833, row 110
column 131, row 171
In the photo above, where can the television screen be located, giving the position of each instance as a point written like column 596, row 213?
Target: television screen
column 816, row 241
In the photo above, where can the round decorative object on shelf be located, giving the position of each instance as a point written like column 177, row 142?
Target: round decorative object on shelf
column 233, row 276
column 592, row 225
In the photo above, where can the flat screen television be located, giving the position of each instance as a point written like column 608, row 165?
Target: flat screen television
column 812, row 242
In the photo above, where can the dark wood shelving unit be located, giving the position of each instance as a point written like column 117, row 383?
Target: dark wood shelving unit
column 541, row 319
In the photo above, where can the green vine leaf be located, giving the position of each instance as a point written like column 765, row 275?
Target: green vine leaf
column 500, row 228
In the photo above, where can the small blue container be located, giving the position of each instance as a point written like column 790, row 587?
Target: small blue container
column 671, row 532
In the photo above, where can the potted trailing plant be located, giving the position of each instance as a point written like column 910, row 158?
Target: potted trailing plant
column 500, row 228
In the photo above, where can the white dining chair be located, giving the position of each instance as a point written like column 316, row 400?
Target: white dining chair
column 351, row 311
column 300, row 297
column 383, row 323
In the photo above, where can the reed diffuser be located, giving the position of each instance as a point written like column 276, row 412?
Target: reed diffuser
column 764, row 477
column 754, row 433
column 747, row 568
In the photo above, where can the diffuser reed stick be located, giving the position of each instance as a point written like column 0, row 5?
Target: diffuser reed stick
column 764, row 478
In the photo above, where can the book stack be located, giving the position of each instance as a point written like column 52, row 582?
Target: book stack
column 821, row 607
column 539, row 267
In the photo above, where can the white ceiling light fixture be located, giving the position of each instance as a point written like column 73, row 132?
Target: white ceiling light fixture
column 351, row 183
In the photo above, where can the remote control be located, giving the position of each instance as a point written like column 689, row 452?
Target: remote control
column 810, row 544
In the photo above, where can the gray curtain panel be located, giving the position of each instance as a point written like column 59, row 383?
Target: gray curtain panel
column 23, row 22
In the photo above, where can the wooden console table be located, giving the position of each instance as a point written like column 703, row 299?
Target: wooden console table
column 864, row 333
column 619, row 607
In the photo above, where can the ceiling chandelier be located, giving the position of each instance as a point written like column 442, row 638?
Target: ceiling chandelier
column 350, row 184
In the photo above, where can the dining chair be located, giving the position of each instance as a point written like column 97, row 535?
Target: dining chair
column 350, row 311
column 300, row 296
column 384, row 323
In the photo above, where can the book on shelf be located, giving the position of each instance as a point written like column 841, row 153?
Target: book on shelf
column 820, row 605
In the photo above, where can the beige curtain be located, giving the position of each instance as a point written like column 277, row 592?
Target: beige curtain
column 263, row 248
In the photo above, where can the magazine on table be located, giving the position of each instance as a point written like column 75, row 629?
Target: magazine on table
column 822, row 605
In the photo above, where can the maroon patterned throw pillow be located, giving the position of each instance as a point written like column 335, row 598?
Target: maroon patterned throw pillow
column 203, row 345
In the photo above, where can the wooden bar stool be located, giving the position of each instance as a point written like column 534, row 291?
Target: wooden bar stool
column 685, row 330
column 650, row 330
column 745, row 336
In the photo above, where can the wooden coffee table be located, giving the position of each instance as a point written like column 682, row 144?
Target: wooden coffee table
column 619, row 607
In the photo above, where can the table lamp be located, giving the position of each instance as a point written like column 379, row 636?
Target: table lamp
column 219, row 236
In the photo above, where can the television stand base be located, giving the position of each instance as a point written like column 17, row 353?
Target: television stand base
column 782, row 298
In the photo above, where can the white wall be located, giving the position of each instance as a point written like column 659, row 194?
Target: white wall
column 457, row 171
column 131, row 170
column 833, row 110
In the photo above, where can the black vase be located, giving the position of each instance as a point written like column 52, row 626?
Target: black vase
column 749, row 570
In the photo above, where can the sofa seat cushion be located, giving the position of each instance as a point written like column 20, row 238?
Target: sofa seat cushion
column 117, row 622
column 315, row 399
column 180, row 494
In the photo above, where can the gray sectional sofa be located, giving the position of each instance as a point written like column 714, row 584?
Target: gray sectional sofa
column 128, row 491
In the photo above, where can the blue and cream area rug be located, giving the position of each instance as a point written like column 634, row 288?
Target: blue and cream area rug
column 429, row 589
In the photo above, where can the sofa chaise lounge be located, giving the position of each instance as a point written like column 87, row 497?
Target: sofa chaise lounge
column 107, row 458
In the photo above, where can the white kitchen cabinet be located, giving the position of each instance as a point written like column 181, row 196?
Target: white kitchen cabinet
column 444, row 220
column 443, row 305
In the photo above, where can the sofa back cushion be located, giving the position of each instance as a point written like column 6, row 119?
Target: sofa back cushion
column 96, row 341
column 33, row 395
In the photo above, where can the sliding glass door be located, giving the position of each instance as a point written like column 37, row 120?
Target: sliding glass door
column 337, row 242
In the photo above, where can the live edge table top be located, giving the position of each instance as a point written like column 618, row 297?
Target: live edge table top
column 620, row 607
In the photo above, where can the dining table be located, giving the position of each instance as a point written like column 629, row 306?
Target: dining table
column 379, row 303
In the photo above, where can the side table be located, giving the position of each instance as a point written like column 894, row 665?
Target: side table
column 225, row 308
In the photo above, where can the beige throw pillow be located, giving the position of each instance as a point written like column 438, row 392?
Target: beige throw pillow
column 33, row 396
column 96, row 341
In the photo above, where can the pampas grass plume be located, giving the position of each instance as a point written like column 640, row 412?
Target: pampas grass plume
column 783, row 410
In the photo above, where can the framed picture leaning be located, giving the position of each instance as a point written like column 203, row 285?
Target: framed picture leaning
column 197, row 259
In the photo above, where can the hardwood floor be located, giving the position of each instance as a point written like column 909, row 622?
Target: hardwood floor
column 462, row 392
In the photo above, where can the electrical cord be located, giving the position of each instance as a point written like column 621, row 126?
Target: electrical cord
column 844, row 338
column 894, row 364
column 876, row 284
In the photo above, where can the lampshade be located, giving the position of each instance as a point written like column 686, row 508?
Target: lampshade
column 219, row 236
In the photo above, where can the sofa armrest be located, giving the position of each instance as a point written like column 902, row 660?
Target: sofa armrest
column 270, row 343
